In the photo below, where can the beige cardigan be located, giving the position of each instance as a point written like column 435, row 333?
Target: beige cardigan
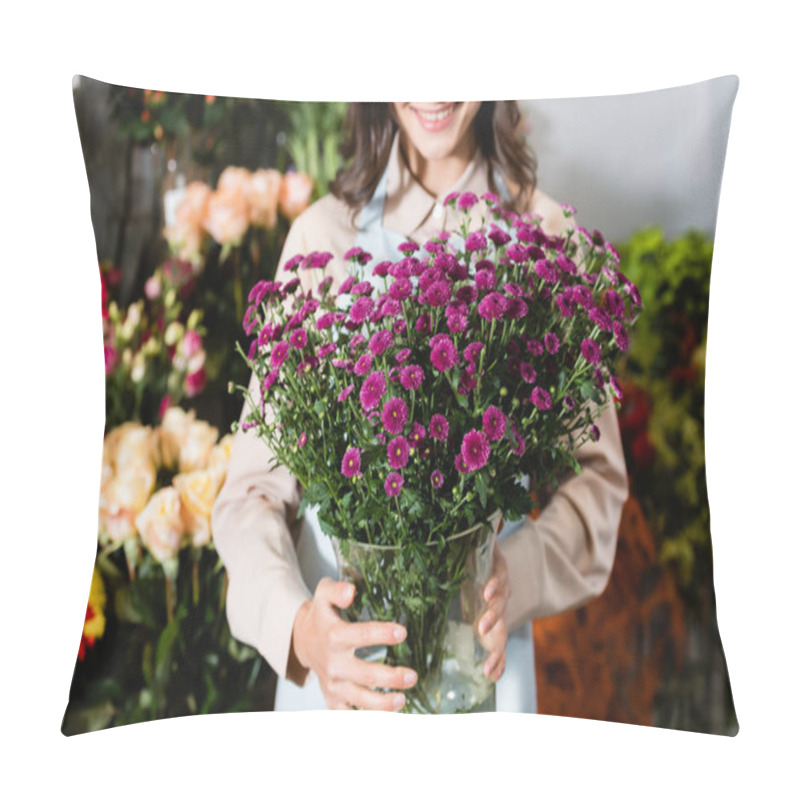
column 557, row 562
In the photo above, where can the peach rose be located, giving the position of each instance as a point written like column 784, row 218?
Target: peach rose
column 228, row 216
column 295, row 194
column 136, row 448
column 262, row 193
column 234, row 179
column 187, row 241
column 197, row 491
column 161, row 525
column 193, row 206
column 186, row 442
column 122, row 498
column 196, row 446
column 221, row 453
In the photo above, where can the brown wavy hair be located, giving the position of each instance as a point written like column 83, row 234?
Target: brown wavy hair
column 370, row 129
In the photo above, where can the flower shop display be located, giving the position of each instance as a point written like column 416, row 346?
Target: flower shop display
column 156, row 642
column 154, row 350
column 411, row 400
column 227, row 238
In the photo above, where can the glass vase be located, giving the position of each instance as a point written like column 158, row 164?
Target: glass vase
column 436, row 591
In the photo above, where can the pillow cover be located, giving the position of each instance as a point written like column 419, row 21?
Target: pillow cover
column 197, row 201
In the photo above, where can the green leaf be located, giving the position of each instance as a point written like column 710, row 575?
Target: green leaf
column 166, row 642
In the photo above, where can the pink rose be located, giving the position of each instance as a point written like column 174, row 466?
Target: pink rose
column 195, row 382
column 295, row 194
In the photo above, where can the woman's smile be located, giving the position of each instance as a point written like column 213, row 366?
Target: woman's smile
column 434, row 118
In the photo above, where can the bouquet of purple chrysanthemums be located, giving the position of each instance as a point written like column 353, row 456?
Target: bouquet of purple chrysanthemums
column 411, row 400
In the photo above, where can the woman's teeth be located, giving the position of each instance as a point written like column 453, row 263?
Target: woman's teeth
column 433, row 116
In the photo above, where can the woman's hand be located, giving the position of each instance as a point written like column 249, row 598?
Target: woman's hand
column 492, row 626
column 324, row 643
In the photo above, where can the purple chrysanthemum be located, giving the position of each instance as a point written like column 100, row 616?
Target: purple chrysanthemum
column 302, row 440
column 380, row 342
column 590, row 350
column 393, row 484
column 298, row 339
column 438, row 294
column 363, row 365
column 466, row 201
column 279, row 354
column 472, row 351
column 535, row 347
column 620, row 336
column 467, row 294
column 351, row 463
column 394, row 415
column 293, row 263
column 444, row 355
column 546, row 270
column 600, row 318
column 594, row 432
column 411, row 377
column 423, row 324
column 381, row 269
column 402, row 356
column 361, row 309
column 347, row 285
column 569, row 403
column 541, row 399
column 475, row 450
column 492, row 306
column 565, row 304
column 494, row 423
column 345, row 393
column 518, row 253
column 437, row 479
column 614, row 303
column 527, row 372
column 357, row 254
column 485, row 279
column 418, row 433
column 398, row 451
column 583, row 296
column 518, row 448
column 325, row 321
column 551, row 343
column 373, row 389
column 475, row 241
column 439, row 427
column 408, row 247
column 400, row 289
column 499, row 236
column 516, row 308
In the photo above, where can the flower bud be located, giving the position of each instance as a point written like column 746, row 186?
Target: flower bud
column 194, row 319
column 170, row 297
column 503, row 391
column 173, row 333
column 137, row 369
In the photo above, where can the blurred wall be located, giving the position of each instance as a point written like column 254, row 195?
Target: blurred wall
column 628, row 161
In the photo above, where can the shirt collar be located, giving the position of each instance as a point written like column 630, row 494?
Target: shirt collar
column 411, row 210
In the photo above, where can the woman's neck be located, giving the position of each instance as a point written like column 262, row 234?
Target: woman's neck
column 438, row 175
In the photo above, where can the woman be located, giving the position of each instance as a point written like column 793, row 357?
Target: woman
column 283, row 596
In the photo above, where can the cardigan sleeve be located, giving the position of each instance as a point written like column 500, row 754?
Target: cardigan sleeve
column 252, row 530
column 564, row 558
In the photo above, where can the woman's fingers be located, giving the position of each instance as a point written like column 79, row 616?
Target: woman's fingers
column 337, row 593
column 359, row 697
column 356, row 635
column 380, row 676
